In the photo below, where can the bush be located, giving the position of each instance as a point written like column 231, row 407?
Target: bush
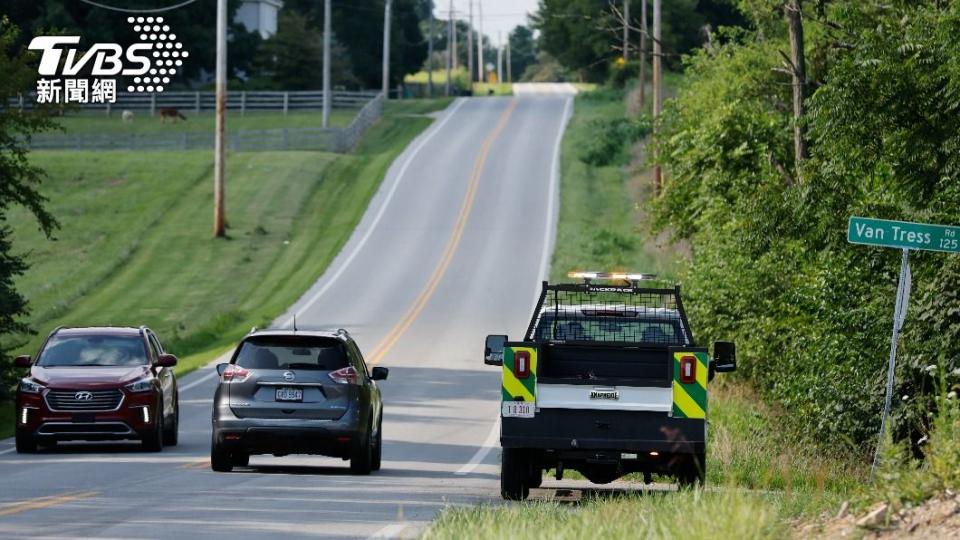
column 612, row 139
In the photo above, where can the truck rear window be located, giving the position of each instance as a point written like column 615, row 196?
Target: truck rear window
column 609, row 329
column 292, row 352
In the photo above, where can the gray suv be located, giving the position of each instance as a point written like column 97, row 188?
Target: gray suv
column 297, row 392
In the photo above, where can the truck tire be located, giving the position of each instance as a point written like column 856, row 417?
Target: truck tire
column 514, row 475
column 693, row 473
column 535, row 479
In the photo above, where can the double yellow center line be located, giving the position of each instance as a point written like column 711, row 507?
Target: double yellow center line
column 44, row 502
column 421, row 301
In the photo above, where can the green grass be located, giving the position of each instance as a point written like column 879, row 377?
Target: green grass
column 144, row 123
column 135, row 246
column 601, row 225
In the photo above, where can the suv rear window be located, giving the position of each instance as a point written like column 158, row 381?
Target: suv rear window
column 93, row 350
column 293, row 352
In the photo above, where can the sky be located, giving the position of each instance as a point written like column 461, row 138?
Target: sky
column 498, row 15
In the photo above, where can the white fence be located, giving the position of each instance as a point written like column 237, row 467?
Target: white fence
column 198, row 102
column 320, row 139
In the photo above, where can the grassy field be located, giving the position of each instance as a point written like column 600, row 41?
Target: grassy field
column 498, row 89
column 144, row 123
column 760, row 479
column 135, row 244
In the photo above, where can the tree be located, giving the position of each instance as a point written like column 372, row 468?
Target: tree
column 523, row 50
column 19, row 182
column 292, row 59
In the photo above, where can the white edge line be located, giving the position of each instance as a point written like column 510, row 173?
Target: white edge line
column 483, row 451
column 390, row 531
column 491, row 439
column 380, row 212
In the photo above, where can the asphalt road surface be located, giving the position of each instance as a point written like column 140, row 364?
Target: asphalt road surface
column 452, row 248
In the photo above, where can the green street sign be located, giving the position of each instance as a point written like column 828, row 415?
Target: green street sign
column 903, row 234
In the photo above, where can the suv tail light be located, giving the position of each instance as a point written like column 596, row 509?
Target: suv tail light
column 347, row 375
column 688, row 369
column 235, row 374
column 521, row 364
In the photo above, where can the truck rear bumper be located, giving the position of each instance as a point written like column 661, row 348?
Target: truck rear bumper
column 624, row 431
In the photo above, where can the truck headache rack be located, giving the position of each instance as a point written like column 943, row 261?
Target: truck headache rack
column 609, row 314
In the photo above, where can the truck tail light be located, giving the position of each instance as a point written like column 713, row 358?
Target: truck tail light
column 235, row 374
column 521, row 364
column 347, row 375
column 688, row 369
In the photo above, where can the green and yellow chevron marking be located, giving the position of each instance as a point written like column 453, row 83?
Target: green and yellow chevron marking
column 690, row 400
column 513, row 387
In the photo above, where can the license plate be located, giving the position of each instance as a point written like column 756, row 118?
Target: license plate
column 517, row 409
column 289, row 394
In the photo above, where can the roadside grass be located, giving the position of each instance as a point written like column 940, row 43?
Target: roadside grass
column 135, row 246
column 601, row 225
column 143, row 123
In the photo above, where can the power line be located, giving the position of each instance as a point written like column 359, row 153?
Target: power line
column 125, row 10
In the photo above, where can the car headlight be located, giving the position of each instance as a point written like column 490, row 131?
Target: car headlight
column 30, row 387
column 143, row 385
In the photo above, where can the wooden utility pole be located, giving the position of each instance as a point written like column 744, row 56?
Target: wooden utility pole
column 499, row 57
column 657, row 89
column 481, row 69
column 643, row 55
column 626, row 31
column 430, row 54
column 449, row 51
column 386, row 50
column 219, row 227
column 509, row 66
column 794, row 13
column 327, row 39
column 470, row 39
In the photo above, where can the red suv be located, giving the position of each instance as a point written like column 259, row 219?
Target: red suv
column 96, row 384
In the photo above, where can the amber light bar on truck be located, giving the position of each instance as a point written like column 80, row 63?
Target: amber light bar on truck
column 587, row 277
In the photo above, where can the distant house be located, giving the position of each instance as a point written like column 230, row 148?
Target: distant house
column 259, row 16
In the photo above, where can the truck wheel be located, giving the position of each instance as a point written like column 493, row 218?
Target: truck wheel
column 535, row 479
column 693, row 473
column 26, row 444
column 219, row 457
column 514, row 475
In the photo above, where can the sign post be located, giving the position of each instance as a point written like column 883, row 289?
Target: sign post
column 903, row 235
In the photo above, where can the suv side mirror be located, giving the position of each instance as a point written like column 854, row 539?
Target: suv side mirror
column 166, row 360
column 724, row 357
column 22, row 361
column 222, row 367
column 493, row 350
column 379, row 373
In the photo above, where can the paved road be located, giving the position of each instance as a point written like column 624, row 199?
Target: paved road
column 452, row 248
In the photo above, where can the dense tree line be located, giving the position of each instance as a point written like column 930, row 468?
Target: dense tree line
column 771, row 266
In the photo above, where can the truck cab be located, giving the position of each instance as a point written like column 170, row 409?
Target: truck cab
column 607, row 380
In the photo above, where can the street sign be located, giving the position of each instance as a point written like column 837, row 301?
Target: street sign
column 903, row 234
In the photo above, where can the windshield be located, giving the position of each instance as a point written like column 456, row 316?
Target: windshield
column 294, row 352
column 610, row 329
column 93, row 351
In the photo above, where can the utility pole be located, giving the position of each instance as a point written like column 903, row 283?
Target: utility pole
column 327, row 38
column 470, row 40
column 449, row 42
column 219, row 228
column 499, row 57
column 430, row 54
column 509, row 69
column 453, row 23
column 657, row 89
column 643, row 55
column 626, row 31
column 481, row 69
column 386, row 50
